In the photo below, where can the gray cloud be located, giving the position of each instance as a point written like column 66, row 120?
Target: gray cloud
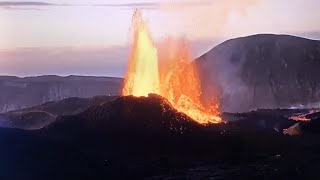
column 145, row 5
column 31, row 5
column 132, row 5
column 41, row 3
column 21, row 8
column 155, row 5
column 25, row 3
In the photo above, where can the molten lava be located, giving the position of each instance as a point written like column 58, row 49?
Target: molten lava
column 143, row 73
column 176, row 79
column 304, row 117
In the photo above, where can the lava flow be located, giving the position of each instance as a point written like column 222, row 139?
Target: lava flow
column 176, row 79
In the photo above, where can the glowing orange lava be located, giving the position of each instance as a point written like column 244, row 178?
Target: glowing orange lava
column 176, row 79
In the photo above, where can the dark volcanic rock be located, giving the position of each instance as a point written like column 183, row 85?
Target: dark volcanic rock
column 310, row 123
column 271, row 120
column 136, row 138
column 305, row 127
column 262, row 72
column 17, row 93
column 312, row 126
column 27, row 120
column 42, row 115
column 152, row 114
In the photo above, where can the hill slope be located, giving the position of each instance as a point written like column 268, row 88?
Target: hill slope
column 42, row 115
column 262, row 71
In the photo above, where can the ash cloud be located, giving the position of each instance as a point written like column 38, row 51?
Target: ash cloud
column 208, row 19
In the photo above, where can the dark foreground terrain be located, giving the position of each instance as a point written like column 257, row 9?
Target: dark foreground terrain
column 145, row 138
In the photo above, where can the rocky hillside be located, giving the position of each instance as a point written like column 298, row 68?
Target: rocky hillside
column 128, row 114
column 17, row 93
column 42, row 115
column 146, row 138
column 262, row 71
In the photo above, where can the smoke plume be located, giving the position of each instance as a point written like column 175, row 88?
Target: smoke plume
column 204, row 19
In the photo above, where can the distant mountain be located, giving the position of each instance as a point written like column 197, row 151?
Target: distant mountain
column 17, row 93
column 42, row 115
column 262, row 71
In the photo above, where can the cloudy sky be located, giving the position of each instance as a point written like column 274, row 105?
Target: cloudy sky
column 91, row 37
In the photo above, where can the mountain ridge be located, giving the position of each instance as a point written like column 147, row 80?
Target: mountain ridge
column 262, row 71
column 18, row 93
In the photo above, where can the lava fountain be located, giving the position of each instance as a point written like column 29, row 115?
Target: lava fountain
column 176, row 80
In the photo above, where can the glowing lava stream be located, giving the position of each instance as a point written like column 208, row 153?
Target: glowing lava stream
column 176, row 80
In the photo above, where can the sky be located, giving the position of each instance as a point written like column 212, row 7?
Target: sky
column 92, row 37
